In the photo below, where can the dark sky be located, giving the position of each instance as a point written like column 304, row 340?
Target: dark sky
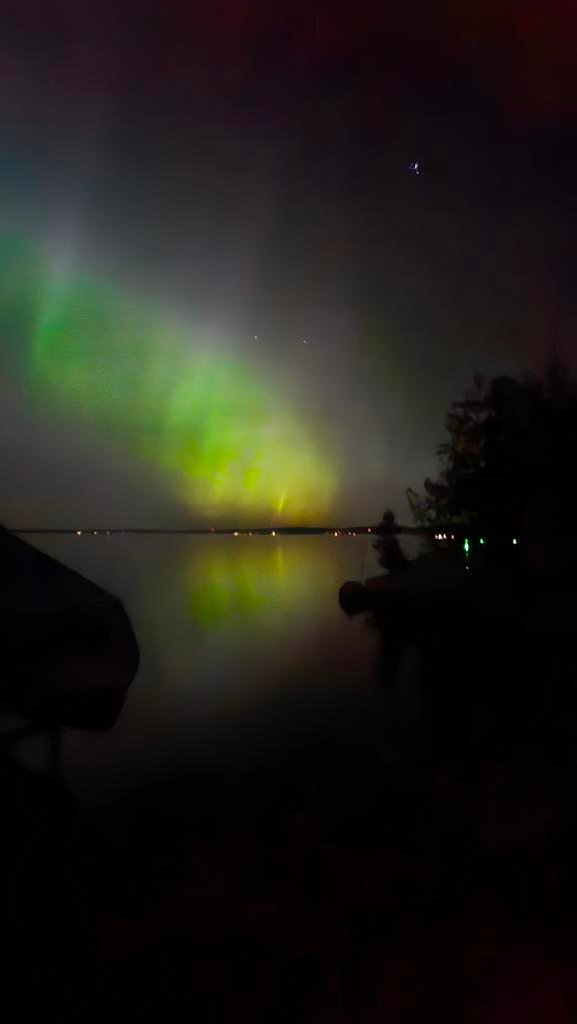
column 247, row 164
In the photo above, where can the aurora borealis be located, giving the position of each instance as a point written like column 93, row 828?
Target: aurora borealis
column 188, row 192
column 215, row 426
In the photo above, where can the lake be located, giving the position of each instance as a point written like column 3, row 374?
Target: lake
column 296, row 817
column 244, row 649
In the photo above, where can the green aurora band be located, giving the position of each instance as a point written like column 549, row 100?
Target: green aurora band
column 228, row 443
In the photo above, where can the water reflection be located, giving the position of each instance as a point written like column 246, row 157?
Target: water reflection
column 255, row 580
column 243, row 645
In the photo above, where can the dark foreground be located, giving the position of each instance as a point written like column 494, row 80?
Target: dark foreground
column 431, row 879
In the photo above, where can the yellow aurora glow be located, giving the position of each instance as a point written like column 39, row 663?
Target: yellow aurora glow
column 222, row 433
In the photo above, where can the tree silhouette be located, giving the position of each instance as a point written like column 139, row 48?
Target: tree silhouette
column 508, row 465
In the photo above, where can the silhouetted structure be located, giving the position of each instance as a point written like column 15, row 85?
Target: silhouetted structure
column 69, row 655
column 391, row 556
column 69, row 652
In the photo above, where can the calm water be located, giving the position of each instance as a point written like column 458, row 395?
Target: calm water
column 288, row 824
column 244, row 651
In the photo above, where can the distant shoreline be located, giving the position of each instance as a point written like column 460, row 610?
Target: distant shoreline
column 224, row 531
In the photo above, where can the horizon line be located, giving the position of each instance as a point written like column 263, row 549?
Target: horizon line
column 193, row 529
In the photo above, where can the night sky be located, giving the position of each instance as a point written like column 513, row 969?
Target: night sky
column 250, row 251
